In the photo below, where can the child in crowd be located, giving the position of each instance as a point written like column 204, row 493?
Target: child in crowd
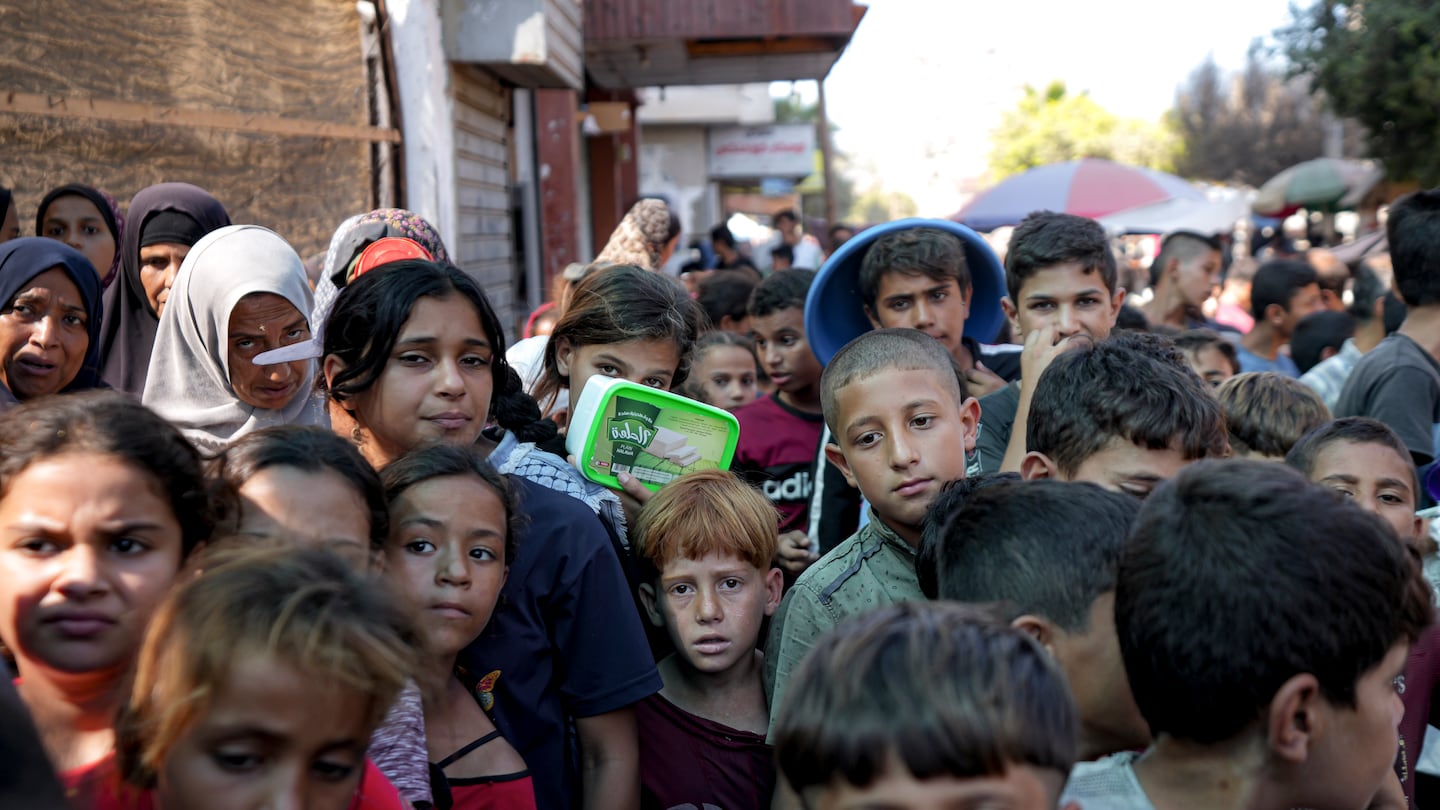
column 413, row 354
column 446, row 559
column 259, row 685
column 725, row 297
column 1060, row 276
column 1320, row 336
column 1398, row 382
column 1267, row 412
column 902, row 426
column 1213, row 357
column 1366, row 462
column 706, row 542
column 724, row 370
column 1283, row 292
column 308, row 486
column 101, row 502
column 1125, row 413
column 780, row 434
column 1183, row 276
column 998, row 544
column 917, row 279
column 782, row 257
column 926, row 705
column 622, row 322
column 1243, row 714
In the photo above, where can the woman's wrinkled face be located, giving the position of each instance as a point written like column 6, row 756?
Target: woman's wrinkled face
column 158, row 265
column 259, row 323
column 44, row 335
column 76, row 221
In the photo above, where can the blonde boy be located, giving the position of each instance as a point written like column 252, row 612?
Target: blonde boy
column 706, row 542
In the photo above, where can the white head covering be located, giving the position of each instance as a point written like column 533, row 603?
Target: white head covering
column 189, row 379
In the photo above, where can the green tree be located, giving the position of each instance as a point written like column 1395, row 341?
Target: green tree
column 1052, row 126
column 1378, row 62
column 1246, row 127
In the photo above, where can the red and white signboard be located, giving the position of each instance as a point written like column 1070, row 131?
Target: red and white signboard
column 783, row 150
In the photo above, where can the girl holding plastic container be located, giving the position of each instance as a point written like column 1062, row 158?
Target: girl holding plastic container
column 413, row 354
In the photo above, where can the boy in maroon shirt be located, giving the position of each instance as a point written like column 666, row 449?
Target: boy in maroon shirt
column 705, row 543
column 780, row 434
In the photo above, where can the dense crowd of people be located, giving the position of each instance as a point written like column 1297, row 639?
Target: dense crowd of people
column 274, row 540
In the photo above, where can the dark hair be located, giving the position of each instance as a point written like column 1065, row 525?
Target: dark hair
column 1292, row 579
column 952, row 497
column 945, row 689
column 1192, row 341
column 725, row 294
column 1133, row 386
column 1044, row 239
column 782, row 290
column 1353, row 429
column 370, row 313
column 1130, row 318
column 311, row 450
column 113, row 424
column 1413, row 231
column 1267, row 412
column 721, row 233
column 1368, row 288
column 616, row 304
column 885, row 350
column 1317, row 332
column 1000, row 545
column 1182, row 245
column 783, row 252
column 938, row 255
column 788, row 213
column 1276, row 282
column 431, row 461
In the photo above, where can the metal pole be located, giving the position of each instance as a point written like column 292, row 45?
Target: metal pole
column 826, row 150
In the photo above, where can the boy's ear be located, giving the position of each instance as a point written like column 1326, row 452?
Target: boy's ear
column 970, row 422
column 1012, row 314
column 1037, row 465
column 774, row 590
column 652, row 610
column 1275, row 314
column 1116, row 302
column 1296, row 718
column 563, row 350
column 835, row 456
column 870, row 316
column 1038, row 628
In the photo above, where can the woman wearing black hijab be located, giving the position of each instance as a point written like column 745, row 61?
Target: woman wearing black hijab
column 165, row 221
column 50, row 320
column 86, row 219
column 9, row 217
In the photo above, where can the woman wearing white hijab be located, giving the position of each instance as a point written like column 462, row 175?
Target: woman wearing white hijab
column 241, row 291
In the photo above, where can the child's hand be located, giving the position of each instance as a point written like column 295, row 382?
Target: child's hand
column 633, row 496
column 981, row 381
column 1041, row 348
column 794, row 554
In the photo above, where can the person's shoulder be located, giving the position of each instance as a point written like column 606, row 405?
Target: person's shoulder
column 1007, row 398
column 1396, row 355
column 1108, row 783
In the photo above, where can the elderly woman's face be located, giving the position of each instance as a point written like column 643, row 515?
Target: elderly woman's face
column 44, row 334
column 259, row 323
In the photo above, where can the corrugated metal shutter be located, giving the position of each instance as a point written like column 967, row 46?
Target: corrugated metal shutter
column 486, row 248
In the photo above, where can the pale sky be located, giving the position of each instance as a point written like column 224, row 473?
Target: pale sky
column 923, row 82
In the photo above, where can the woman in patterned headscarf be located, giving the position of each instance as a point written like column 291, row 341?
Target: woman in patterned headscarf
column 645, row 237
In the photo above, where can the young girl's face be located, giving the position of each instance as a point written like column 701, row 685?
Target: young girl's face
column 437, row 383
column 647, row 361
column 321, row 509
column 90, row 545
column 725, row 376
column 446, row 558
column 272, row 736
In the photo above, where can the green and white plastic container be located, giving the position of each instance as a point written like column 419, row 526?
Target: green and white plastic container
column 619, row 426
